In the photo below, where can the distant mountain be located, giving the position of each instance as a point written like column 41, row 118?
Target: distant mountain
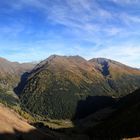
column 10, row 74
column 60, row 86
column 7, row 67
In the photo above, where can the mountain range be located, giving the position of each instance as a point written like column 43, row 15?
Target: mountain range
column 99, row 96
column 60, row 87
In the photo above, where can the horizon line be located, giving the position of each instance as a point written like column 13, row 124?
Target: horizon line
column 38, row 61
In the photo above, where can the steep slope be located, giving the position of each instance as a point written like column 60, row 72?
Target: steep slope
column 119, row 76
column 60, row 87
column 123, row 123
column 54, row 87
column 14, row 127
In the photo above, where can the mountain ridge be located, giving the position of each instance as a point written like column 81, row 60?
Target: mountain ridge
column 73, row 88
column 63, row 81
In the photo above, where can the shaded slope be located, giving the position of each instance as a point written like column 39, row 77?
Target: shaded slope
column 123, row 123
column 91, row 105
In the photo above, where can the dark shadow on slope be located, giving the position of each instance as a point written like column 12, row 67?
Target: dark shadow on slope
column 105, row 69
column 31, row 135
column 123, row 123
column 114, row 130
column 22, row 83
column 119, row 125
column 62, row 133
column 24, row 78
column 91, row 105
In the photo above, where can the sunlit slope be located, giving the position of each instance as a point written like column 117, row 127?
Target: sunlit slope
column 13, row 127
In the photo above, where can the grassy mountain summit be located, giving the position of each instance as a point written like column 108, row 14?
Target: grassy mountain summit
column 55, row 86
column 119, row 76
column 113, row 68
column 60, row 86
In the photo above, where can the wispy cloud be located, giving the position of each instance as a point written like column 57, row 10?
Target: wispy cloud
column 126, row 1
column 91, row 28
column 89, row 17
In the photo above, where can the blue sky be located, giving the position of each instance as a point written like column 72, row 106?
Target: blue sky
column 34, row 29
